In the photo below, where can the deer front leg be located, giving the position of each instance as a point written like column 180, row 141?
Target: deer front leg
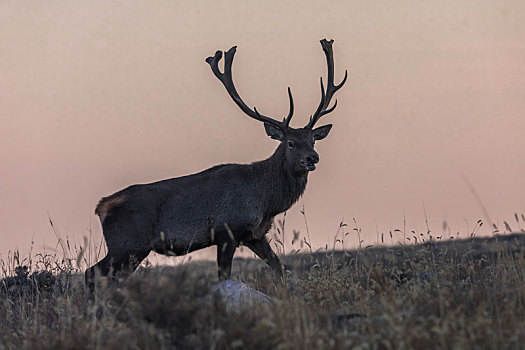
column 226, row 246
column 262, row 249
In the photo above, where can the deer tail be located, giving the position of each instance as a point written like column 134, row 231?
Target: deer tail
column 106, row 204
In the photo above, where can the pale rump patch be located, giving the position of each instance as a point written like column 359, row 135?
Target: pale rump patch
column 105, row 205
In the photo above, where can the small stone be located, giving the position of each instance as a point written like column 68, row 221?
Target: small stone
column 236, row 295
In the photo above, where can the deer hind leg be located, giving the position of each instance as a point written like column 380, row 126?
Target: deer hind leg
column 262, row 249
column 103, row 267
column 113, row 265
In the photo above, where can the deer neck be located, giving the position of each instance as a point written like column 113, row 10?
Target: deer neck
column 284, row 188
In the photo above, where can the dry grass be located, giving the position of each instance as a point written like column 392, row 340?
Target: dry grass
column 437, row 295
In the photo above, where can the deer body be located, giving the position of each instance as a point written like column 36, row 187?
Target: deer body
column 243, row 198
column 226, row 205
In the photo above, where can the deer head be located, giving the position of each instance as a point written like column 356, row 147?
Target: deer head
column 298, row 144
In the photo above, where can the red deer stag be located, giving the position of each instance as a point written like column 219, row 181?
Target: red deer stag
column 226, row 205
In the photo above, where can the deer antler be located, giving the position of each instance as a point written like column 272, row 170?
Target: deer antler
column 227, row 81
column 331, row 89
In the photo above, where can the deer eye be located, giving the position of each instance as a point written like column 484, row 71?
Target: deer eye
column 291, row 145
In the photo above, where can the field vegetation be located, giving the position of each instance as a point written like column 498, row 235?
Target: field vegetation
column 435, row 293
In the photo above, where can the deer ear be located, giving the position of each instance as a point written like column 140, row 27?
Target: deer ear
column 321, row 132
column 274, row 132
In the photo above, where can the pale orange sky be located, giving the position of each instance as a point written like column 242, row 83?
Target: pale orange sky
column 98, row 95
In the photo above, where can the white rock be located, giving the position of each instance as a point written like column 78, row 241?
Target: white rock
column 236, row 295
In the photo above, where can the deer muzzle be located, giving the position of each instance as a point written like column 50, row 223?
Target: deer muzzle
column 310, row 161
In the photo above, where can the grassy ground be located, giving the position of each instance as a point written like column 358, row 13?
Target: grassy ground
column 458, row 294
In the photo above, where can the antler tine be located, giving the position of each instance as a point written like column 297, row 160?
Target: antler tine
column 331, row 89
column 286, row 120
column 227, row 81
